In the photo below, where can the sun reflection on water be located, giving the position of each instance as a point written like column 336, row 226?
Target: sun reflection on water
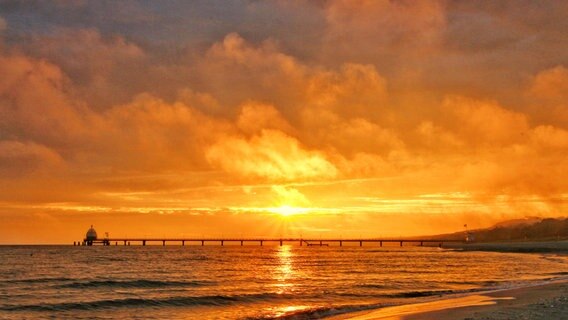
column 284, row 272
column 285, row 276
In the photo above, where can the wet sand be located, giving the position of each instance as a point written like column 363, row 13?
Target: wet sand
column 546, row 301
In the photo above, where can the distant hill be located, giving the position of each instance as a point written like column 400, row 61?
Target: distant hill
column 518, row 229
column 517, row 222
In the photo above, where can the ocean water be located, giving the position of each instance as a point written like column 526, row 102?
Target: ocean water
column 250, row 282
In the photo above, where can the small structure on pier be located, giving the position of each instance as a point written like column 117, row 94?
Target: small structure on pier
column 92, row 238
column 91, row 234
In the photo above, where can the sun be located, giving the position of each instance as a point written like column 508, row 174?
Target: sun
column 286, row 210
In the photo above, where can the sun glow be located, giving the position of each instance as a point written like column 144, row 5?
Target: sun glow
column 286, row 210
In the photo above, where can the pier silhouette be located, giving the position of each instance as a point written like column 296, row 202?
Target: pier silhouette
column 262, row 241
column 91, row 239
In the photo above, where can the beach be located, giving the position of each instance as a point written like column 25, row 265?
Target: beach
column 547, row 300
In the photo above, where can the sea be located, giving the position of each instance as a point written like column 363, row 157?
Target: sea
column 249, row 282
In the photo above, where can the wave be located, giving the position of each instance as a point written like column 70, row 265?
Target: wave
column 406, row 294
column 322, row 312
column 429, row 293
column 486, row 283
column 479, row 285
column 36, row 280
column 417, row 294
column 185, row 301
column 372, row 286
column 141, row 283
column 562, row 273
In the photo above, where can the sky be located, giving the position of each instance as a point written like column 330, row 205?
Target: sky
column 321, row 118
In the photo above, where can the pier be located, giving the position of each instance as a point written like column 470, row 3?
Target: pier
column 91, row 239
column 262, row 241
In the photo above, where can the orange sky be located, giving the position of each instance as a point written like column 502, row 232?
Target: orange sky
column 314, row 118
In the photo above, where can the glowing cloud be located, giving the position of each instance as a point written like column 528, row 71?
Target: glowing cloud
column 272, row 155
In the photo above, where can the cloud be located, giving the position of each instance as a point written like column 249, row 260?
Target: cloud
column 546, row 91
column 271, row 155
column 436, row 138
column 349, row 136
column 264, row 73
column 550, row 137
column 367, row 30
column 551, row 83
column 18, row 159
column 254, row 117
column 484, row 122
column 366, row 165
column 3, row 24
column 35, row 105
column 38, row 106
column 102, row 67
column 149, row 133
column 286, row 196
column 260, row 73
column 355, row 90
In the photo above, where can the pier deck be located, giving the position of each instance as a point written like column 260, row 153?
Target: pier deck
column 262, row 241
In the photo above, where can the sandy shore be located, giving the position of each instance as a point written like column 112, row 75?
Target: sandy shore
column 546, row 301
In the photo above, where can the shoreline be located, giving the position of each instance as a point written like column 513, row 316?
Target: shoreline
column 548, row 300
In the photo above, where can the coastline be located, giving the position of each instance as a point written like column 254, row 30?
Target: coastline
column 545, row 300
